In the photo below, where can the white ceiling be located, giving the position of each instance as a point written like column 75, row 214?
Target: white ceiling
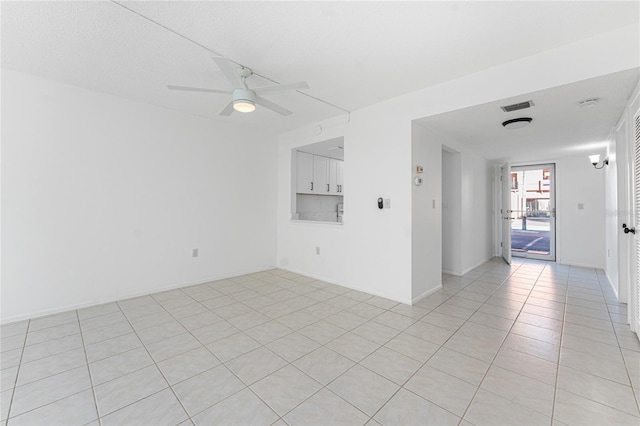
column 560, row 127
column 352, row 54
column 332, row 148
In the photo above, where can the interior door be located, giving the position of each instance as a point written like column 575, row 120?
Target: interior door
column 505, row 212
column 634, row 304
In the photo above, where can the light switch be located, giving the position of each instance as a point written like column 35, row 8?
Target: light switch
column 387, row 203
column 580, row 206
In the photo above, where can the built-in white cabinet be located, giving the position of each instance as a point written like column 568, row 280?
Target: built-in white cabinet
column 304, row 173
column 336, row 168
column 318, row 175
column 321, row 185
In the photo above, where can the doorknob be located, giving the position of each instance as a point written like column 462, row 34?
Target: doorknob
column 627, row 230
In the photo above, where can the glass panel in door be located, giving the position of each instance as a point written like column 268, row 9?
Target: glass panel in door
column 533, row 211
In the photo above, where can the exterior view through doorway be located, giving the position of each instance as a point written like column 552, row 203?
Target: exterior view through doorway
column 532, row 211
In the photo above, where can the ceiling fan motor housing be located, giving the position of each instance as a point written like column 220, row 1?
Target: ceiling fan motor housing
column 244, row 95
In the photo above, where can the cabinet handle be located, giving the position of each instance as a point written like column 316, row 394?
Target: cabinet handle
column 312, row 186
column 327, row 187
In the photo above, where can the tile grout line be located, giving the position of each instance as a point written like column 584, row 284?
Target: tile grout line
column 323, row 386
column 555, row 383
column 221, row 362
column 262, row 345
column 157, row 367
column 501, row 343
column 634, row 391
column 611, row 322
column 442, row 346
column 15, row 382
column 368, row 320
column 86, row 358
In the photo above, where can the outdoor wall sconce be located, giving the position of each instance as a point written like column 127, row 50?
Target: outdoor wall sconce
column 596, row 158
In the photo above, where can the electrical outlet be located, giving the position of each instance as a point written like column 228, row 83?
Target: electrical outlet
column 317, row 250
column 194, row 253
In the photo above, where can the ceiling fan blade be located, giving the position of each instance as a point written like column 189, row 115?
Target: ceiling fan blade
column 277, row 87
column 228, row 68
column 196, row 89
column 272, row 106
column 228, row 109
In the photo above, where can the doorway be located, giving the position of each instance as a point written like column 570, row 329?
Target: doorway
column 529, row 201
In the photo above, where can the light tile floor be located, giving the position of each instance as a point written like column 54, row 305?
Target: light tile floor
column 530, row 343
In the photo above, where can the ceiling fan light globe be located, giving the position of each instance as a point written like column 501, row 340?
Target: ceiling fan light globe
column 244, row 105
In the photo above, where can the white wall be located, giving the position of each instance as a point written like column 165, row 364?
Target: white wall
column 477, row 211
column 372, row 251
column 580, row 233
column 103, row 198
column 451, row 212
column 426, row 214
column 611, row 216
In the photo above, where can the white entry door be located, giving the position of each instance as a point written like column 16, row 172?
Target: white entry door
column 505, row 212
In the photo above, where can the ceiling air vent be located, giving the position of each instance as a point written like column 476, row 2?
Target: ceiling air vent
column 516, row 107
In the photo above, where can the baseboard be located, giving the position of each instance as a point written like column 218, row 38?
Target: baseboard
column 102, row 301
column 614, row 289
column 425, row 294
column 579, row 265
column 330, row 281
column 466, row 271
column 482, row 262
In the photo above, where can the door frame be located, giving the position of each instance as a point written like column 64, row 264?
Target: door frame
column 505, row 212
column 628, row 286
column 498, row 189
column 552, row 256
column 632, row 261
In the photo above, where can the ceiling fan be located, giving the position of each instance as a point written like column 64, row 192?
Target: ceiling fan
column 244, row 99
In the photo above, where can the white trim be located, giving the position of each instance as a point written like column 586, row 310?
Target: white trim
column 467, row 270
column 615, row 290
column 330, row 281
column 425, row 294
column 96, row 302
column 580, row 265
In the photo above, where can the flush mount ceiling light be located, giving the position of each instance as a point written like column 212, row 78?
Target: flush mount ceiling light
column 517, row 123
column 596, row 158
column 589, row 103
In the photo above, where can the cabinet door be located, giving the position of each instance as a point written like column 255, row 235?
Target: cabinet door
column 339, row 177
column 321, row 175
column 333, row 176
column 304, row 173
